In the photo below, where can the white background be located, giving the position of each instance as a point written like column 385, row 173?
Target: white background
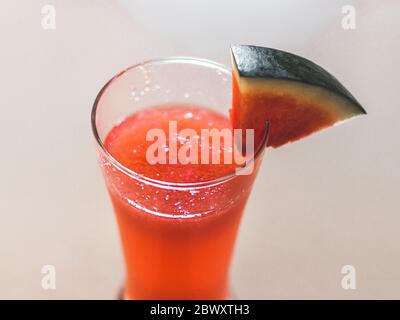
column 319, row 204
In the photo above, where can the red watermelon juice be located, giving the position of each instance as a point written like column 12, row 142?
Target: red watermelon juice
column 178, row 222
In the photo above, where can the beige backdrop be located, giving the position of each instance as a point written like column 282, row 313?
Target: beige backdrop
column 319, row 204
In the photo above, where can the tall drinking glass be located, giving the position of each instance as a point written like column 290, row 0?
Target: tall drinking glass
column 177, row 238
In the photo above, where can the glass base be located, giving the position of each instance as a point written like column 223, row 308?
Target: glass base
column 121, row 295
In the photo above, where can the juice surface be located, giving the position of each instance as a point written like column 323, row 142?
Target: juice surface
column 177, row 242
column 127, row 142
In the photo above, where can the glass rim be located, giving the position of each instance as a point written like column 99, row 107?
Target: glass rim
column 161, row 183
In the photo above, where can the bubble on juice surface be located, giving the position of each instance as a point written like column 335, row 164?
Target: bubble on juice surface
column 143, row 69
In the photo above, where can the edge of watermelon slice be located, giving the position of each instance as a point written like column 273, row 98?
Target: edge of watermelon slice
column 294, row 94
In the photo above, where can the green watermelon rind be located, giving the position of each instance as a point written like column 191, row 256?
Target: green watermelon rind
column 253, row 62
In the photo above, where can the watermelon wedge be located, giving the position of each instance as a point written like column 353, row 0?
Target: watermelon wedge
column 294, row 94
